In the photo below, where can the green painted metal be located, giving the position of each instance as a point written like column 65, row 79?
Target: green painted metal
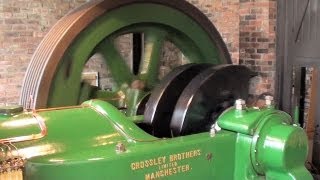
column 97, row 141
column 154, row 41
column 167, row 24
column 296, row 115
column 277, row 148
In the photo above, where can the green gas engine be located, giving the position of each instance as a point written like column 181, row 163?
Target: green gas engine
column 194, row 123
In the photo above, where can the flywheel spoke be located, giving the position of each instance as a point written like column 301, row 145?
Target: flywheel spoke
column 149, row 67
column 120, row 71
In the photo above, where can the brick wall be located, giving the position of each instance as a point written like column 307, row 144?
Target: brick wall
column 23, row 24
column 224, row 14
column 257, row 41
column 247, row 27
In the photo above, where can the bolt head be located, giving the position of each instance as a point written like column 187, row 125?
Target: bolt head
column 240, row 104
column 209, row 156
column 120, row 147
column 269, row 100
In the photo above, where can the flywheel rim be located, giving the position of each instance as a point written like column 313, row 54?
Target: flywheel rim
column 162, row 101
column 207, row 96
column 46, row 60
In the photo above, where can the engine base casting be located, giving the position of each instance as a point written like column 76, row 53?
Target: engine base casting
column 185, row 126
column 97, row 141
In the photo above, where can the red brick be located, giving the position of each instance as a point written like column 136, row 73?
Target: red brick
column 13, row 21
column 260, row 39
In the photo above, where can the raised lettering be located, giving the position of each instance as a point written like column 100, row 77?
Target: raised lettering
column 133, row 167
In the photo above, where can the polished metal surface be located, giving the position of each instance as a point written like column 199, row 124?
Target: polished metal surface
column 160, row 107
column 207, row 96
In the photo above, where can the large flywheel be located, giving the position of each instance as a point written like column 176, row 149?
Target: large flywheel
column 53, row 77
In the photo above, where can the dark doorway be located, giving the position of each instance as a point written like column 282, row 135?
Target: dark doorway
column 298, row 51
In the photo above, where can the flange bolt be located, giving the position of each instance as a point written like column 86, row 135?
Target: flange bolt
column 240, row 104
column 269, row 101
